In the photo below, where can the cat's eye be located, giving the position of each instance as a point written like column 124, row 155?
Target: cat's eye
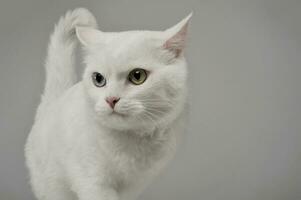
column 137, row 76
column 98, row 79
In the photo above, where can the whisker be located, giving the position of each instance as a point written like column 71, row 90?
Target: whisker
column 146, row 114
column 154, row 116
column 155, row 110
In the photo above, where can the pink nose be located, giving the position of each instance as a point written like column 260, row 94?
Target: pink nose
column 112, row 101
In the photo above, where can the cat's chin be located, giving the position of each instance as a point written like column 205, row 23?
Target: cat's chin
column 124, row 127
column 122, row 122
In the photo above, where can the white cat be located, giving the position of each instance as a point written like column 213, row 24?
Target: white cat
column 105, row 137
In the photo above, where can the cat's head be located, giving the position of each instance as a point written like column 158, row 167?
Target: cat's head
column 135, row 79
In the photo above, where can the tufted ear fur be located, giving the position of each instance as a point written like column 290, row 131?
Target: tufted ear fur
column 88, row 35
column 176, row 36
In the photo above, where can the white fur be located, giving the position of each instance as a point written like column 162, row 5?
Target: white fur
column 78, row 148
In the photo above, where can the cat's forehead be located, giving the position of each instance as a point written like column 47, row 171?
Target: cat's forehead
column 131, row 42
column 127, row 49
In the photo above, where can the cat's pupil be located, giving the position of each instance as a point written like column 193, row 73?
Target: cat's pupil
column 137, row 75
column 99, row 78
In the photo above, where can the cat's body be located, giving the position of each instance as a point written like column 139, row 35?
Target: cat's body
column 79, row 148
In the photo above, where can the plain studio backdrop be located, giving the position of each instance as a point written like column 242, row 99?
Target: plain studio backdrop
column 243, row 139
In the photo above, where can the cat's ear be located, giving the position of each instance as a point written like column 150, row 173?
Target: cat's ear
column 176, row 37
column 88, row 35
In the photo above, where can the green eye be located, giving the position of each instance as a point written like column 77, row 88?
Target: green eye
column 137, row 76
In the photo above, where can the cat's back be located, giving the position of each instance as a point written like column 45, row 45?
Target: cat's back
column 55, row 111
column 47, row 133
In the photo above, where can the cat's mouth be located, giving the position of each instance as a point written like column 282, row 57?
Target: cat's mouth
column 116, row 113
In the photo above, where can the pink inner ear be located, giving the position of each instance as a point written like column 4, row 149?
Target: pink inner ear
column 176, row 43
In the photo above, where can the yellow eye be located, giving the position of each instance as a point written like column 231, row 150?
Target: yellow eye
column 137, row 76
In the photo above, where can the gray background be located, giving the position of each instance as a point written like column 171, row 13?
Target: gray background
column 243, row 141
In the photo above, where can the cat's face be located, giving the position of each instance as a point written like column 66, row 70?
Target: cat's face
column 135, row 79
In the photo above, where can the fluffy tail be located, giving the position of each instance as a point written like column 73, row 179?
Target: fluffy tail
column 60, row 72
